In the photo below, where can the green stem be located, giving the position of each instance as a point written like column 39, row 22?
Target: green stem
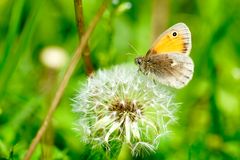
column 125, row 153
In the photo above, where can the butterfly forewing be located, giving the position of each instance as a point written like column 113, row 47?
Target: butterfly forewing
column 176, row 39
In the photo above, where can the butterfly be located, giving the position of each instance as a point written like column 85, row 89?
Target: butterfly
column 168, row 59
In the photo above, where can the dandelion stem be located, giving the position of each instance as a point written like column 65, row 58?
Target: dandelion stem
column 125, row 153
column 75, row 59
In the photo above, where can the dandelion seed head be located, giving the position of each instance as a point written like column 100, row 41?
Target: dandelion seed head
column 122, row 105
column 54, row 57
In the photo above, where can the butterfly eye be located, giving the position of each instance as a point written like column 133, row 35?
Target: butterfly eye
column 174, row 34
column 138, row 61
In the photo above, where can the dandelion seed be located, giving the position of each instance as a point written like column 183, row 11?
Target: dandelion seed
column 125, row 106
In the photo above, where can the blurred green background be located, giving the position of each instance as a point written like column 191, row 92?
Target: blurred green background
column 209, row 118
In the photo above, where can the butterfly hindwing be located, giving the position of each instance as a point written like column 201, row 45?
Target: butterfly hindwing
column 172, row 69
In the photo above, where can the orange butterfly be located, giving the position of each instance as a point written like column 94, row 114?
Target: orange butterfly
column 167, row 60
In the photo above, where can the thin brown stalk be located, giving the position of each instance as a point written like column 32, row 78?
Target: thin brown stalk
column 75, row 59
column 81, row 29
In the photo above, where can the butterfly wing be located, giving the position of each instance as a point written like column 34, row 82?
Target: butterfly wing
column 176, row 39
column 174, row 69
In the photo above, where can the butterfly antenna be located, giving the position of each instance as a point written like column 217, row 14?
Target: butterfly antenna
column 133, row 48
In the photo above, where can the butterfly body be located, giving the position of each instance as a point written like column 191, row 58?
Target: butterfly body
column 168, row 59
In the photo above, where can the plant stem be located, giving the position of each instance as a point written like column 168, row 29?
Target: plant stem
column 125, row 153
column 81, row 29
column 75, row 59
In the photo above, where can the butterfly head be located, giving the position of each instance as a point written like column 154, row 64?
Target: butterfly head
column 139, row 61
column 142, row 63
